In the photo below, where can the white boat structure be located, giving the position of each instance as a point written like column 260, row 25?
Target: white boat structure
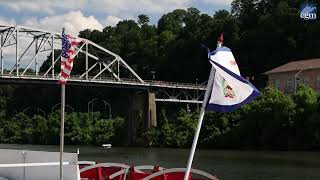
column 40, row 165
column 37, row 165
column 107, row 145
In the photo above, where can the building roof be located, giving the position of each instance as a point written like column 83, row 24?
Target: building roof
column 296, row 66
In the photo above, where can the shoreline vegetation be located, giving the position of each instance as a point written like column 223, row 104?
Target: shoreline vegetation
column 273, row 121
column 262, row 35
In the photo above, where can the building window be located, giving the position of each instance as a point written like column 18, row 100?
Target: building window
column 277, row 83
column 306, row 81
column 318, row 81
column 290, row 85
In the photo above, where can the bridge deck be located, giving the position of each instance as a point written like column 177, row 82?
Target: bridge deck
column 124, row 82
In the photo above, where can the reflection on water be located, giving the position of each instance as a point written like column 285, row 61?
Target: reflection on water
column 228, row 165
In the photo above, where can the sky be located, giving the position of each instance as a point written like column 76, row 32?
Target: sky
column 77, row 15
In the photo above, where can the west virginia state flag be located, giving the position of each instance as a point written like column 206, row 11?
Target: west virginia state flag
column 229, row 90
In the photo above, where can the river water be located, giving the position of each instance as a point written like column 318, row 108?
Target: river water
column 226, row 164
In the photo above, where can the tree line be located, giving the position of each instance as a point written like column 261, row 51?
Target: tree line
column 272, row 121
column 263, row 34
column 80, row 129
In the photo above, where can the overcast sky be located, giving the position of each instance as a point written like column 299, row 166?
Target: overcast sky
column 77, row 15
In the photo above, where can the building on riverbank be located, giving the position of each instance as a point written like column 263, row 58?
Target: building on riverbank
column 287, row 77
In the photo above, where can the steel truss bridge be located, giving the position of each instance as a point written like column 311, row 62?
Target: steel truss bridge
column 23, row 50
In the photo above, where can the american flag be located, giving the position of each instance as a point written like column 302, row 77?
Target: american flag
column 69, row 45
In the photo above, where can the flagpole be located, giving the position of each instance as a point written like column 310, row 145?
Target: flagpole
column 62, row 126
column 202, row 112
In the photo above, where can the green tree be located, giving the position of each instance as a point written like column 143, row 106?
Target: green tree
column 173, row 21
column 53, row 123
column 268, row 121
column 73, row 131
column 152, row 136
column 186, row 126
column 104, row 130
column 86, row 127
column 168, row 135
column 39, row 129
column 143, row 19
column 307, row 117
column 25, row 125
column 12, row 133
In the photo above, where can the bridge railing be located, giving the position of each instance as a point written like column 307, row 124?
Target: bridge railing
column 153, row 83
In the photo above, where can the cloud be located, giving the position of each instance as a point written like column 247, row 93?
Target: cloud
column 125, row 8
column 218, row 2
column 101, row 6
column 9, row 22
column 43, row 6
column 74, row 21
column 111, row 21
column 6, row 21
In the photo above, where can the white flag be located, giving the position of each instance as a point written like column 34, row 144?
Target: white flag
column 229, row 90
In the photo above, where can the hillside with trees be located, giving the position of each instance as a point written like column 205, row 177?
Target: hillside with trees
column 263, row 34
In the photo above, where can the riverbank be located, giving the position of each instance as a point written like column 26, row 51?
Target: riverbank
column 274, row 121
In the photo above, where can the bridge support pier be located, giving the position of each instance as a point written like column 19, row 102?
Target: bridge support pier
column 141, row 116
column 152, row 110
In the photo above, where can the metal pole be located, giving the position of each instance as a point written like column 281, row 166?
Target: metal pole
column 24, row 167
column 17, row 51
column 70, row 108
column 1, row 53
column 36, row 59
column 100, row 69
column 91, row 106
column 203, row 108
column 110, row 115
column 105, row 106
column 52, row 108
column 87, row 64
column 62, row 129
column 92, row 109
column 118, row 69
column 44, row 113
column 202, row 112
column 88, row 111
column 52, row 56
column 62, row 126
column 197, row 94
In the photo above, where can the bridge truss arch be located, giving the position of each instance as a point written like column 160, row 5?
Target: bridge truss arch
column 24, row 50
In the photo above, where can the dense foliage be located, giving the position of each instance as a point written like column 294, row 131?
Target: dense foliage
column 273, row 121
column 79, row 129
column 263, row 34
